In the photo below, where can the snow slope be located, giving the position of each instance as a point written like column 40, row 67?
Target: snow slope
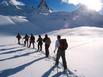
column 25, row 24
column 84, row 56
column 80, row 31
column 25, row 19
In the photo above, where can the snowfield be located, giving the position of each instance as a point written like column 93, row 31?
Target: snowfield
column 84, row 56
column 85, row 52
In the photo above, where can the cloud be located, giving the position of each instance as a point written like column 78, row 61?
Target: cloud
column 75, row 2
column 91, row 4
column 15, row 2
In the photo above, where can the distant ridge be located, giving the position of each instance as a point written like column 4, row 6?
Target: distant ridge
column 43, row 7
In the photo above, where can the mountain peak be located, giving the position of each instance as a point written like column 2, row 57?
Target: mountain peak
column 43, row 7
column 11, row 2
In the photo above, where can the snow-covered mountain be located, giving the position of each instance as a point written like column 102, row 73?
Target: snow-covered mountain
column 43, row 7
column 28, row 19
column 84, row 16
column 10, row 7
column 84, row 54
column 79, row 31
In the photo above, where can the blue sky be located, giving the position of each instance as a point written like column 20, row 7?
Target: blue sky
column 56, row 5
column 68, row 5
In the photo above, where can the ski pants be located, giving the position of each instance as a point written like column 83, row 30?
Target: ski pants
column 47, row 50
column 61, row 53
column 39, row 46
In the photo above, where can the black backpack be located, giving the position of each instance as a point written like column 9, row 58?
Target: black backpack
column 63, row 44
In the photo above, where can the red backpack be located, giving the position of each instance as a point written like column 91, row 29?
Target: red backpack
column 63, row 44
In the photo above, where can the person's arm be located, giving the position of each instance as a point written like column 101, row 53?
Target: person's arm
column 37, row 40
column 44, row 40
column 56, row 45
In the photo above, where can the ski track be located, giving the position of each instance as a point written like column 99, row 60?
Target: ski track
column 19, row 61
column 15, row 60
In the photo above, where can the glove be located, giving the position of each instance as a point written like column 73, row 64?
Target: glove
column 54, row 51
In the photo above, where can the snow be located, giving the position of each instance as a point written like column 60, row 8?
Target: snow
column 84, row 57
column 13, row 2
column 30, row 24
column 84, row 54
column 88, row 56
column 5, row 20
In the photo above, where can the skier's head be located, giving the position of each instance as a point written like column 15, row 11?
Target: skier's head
column 18, row 33
column 46, row 35
column 31, row 34
column 39, row 36
column 58, row 37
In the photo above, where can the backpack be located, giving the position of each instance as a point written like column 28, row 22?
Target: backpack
column 32, row 39
column 40, row 40
column 18, row 36
column 47, row 41
column 26, row 37
column 63, row 44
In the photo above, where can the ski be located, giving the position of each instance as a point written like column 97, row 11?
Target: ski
column 59, row 68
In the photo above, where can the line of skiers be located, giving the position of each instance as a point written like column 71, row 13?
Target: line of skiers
column 31, row 40
column 60, row 46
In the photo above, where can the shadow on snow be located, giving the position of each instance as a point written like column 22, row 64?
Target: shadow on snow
column 8, row 72
column 4, row 49
column 17, row 56
column 13, row 51
column 58, row 74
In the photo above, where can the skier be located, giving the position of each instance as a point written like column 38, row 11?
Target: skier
column 18, row 37
column 61, row 45
column 47, row 42
column 40, row 42
column 26, row 38
column 32, row 40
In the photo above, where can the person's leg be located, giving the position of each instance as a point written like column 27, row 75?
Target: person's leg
column 40, row 47
column 24, row 43
column 47, row 50
column 64, row 60
column 33, row 44
column 57, row 57
column 30, row 45
column 27, row 43
column 18, row 41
